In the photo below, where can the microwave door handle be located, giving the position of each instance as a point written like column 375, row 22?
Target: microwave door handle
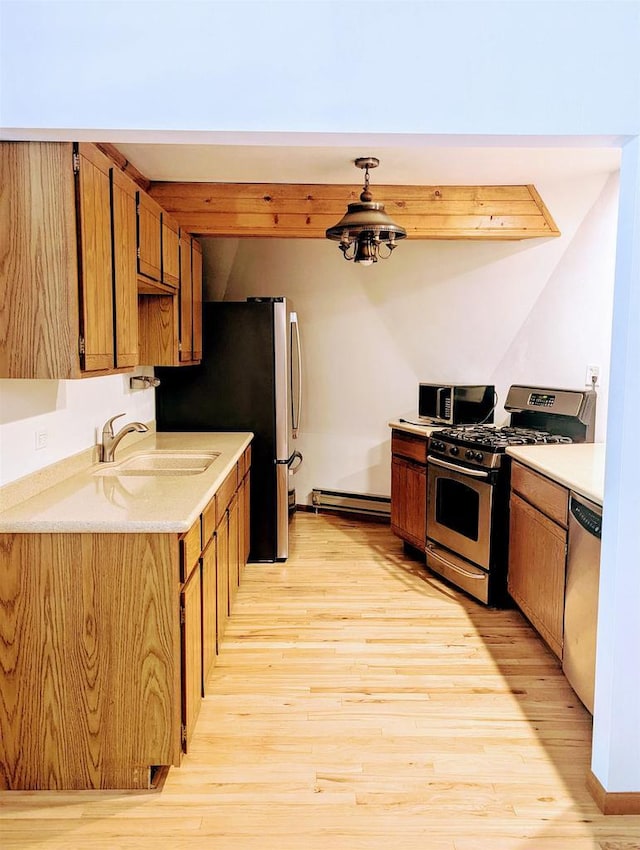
column 472, row 473
column 297, row 405
column 439, row 403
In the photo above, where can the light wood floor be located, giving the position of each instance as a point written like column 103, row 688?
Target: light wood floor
column 358, row 704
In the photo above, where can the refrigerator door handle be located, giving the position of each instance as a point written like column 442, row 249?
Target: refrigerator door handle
column 296, row 398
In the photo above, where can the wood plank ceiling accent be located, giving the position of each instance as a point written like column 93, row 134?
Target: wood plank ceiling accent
column 284, row 210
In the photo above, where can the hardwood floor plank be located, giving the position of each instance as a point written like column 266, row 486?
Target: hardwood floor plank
column 358, row 702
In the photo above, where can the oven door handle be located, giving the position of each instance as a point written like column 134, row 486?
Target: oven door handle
column 463, row 470
column 431, row 551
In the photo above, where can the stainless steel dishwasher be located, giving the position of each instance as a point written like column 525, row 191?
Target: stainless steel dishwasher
column 581, row 597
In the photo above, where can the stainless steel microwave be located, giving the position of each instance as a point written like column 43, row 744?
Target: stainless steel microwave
column 456, row 404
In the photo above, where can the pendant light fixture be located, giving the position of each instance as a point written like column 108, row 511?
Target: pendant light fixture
column 366, row 227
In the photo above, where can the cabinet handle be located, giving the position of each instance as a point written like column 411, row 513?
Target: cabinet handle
column 453, row 566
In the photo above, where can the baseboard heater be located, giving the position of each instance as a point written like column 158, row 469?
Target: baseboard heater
column 355, row 503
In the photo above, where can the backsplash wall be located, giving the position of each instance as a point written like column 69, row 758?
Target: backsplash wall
column 70, row 415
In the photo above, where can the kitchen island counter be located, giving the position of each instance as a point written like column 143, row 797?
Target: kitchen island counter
column 578, row 466
column 92, row 502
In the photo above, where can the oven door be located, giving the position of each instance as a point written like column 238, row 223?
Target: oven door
column 459, row 508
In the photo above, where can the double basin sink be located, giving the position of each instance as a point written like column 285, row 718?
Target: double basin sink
column 160, row 462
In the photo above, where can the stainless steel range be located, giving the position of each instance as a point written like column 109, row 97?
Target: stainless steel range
column 468, row 484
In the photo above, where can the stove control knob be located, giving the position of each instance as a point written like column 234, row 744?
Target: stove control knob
column 469, row 454
column 454, row 450
column 479, row 456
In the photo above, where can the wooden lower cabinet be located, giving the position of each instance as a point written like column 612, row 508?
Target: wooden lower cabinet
column 537, row 555
column 91, row 659
column 234, row 549
column 409, row 487
column 106, row 643
column 209, row 613
column 192, row 651
column 222, row 576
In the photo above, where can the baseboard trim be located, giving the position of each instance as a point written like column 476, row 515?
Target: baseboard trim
column 613, row 802
column 345, row 514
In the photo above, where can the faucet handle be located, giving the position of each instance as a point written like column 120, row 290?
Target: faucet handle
column 108, row 425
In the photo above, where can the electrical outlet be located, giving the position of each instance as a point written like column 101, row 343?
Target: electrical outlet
column 591, row 378
column 42, row 437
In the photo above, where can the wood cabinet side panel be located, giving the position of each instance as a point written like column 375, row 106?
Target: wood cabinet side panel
column 90, row 666
column 39, row 318
column 536, row 576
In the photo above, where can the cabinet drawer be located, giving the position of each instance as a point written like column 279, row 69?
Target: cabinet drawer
column 225, row 493
column 550, row 498
column 409, row 445
column 190, row 548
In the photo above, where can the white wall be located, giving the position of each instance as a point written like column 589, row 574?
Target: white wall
column 533, row 311
column 445, row 67
column 70, row 413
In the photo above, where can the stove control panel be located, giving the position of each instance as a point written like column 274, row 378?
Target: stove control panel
column 542, row 399
column 464, row 456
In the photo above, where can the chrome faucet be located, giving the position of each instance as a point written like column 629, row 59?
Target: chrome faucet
column 110, row 441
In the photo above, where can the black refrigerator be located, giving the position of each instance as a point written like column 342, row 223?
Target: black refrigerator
column 249, row 380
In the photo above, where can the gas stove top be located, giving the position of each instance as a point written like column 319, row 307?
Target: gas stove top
column 483, row 445
column 497, row 439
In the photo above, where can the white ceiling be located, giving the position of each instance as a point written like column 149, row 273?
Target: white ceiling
column 405, row 163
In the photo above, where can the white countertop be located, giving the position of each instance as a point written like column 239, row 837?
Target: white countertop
column 412, row 427
column 86, row 502
column 578, row 466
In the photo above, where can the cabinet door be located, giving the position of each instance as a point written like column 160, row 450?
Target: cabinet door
column 38, row 271
column 208, row 611
column 242, row 522
column 222, row 576
column 234, row 550
column 170, row 251
column 537, row 556
column 186, row 300
column 125, row 287
column 149, row 237
column 191, row 605
column 409, row 501
column 96, row 282
column 196, row 271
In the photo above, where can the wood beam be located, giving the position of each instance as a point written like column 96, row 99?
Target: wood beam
column 284, row 210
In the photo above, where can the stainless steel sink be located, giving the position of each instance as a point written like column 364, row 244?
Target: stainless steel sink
column 161, row 462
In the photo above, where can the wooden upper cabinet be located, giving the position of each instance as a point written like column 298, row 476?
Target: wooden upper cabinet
column 125, row 284
column 196, row 271
column 66, row 273
column 149, row 238
column 190, row 300
column 158, row 248
column 96, row 269
column 186, row 299
column 170, row 251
